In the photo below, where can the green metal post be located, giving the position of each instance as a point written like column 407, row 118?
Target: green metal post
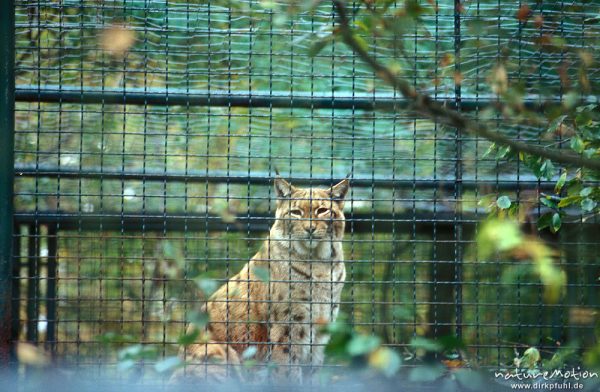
column 7, row 123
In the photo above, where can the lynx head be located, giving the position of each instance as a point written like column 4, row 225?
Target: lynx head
column 309, row 217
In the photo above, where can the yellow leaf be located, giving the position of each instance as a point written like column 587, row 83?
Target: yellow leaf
column 385, row 360
column 361, row 42
column 499, row 79
column 117, row 40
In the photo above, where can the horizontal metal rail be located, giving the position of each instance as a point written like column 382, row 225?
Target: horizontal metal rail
column 405, row 221
column 264, row 178
column 257, row 222
column 260, row 99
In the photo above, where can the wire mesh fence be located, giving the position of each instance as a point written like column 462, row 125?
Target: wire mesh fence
column 147, row 138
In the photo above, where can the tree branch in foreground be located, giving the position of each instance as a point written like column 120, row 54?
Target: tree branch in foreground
column 423, row 104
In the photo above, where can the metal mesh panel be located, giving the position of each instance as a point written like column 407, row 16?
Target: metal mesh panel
column 139, row 172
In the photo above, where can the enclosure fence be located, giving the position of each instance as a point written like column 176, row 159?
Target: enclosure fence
column 146, row 138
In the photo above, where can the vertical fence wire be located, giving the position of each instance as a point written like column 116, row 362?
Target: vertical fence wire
column 458, row 171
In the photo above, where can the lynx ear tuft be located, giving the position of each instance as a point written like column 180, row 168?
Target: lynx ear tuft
column 339, row 190
column 283, row 188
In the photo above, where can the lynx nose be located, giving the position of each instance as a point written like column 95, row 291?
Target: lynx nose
column 310, row 230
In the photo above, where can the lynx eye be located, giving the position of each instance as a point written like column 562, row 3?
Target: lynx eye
column 322, row 210
column 296, row 213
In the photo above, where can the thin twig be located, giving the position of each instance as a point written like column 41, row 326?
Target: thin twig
column 425, row 105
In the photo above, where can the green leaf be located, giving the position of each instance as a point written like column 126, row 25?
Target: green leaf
column 365, row 24
column 554, row 280
column 280, row 18
column 363, row 344
column 132, row 351
column 535, row 164
column 250, row 363
column 198, row 319
column 426, row 373
column 571, row 99
column 426, row 344
column 207, row 286
column 487, row 201
column 503, row 202
column 268, row 4
column 588, row 204
column 585, row 192
column 451, row 342
column 489, row 151
column 556, row 123
column 403, row 313
column 171, row 251
column 563, row 356
column 189, row 338
column 262, row 274
column 503, row 152
column 574, row 187
column 577, row 144
column 362, row 44
column 338, row 327
column 498, row 236
column 569, row 200
column 556, row 222
column 548, row 202
column 115, row 338
column 385, row 360
column 591, row 152
column 545, row 221
column 561, row 182
column 336, row 347
column 169, row 363
column 547, row 169
column 530, row 358
column 250, row 352
column 137, row 352
column 125, row 364
column 583, row 118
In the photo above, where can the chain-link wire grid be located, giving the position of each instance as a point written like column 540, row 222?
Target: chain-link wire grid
column 147, row 137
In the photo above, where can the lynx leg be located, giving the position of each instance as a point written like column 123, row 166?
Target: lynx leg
column 290, row 342
column 212, row 362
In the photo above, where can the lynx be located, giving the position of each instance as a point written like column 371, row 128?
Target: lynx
column 282, row 317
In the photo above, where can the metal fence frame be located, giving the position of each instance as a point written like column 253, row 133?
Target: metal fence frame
column 7, row 90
